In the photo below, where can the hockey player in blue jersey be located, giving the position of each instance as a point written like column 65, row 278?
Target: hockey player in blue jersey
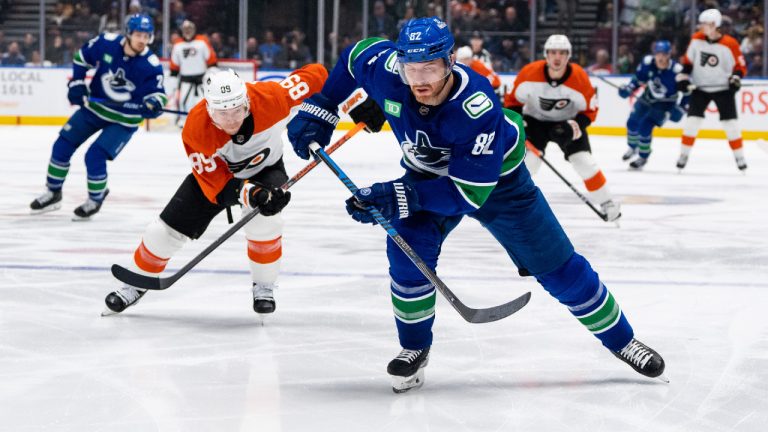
column 126, row 88
column 463, row 155
column 661, row 101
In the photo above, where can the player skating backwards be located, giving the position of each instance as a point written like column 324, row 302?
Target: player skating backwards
column 463, row 155
column 558, row 102
column 716, row 68
column 659, row 102
column 129, row 81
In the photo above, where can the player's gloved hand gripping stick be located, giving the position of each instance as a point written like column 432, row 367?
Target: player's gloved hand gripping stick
column 160, row 283
column 134, row 106
column 471, row 315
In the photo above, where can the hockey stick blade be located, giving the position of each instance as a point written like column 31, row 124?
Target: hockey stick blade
column 160, row 283
column 475, row 316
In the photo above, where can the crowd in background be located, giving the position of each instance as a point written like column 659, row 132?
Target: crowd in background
column 498, row 31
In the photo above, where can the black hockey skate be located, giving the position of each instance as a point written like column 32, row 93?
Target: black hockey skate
column 120, row 300
column 642, row 359
column 638, row 163
column 49, row 201
column 741, row 163
column 682, row 161
column 407, row 369
column 263, row 298
column 629, row 154
column 89, row 208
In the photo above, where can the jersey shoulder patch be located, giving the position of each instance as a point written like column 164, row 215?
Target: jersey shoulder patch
column 153, row 60
column 477, row 104
column 647, row 59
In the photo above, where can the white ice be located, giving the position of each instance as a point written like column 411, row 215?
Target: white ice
column 689, row 266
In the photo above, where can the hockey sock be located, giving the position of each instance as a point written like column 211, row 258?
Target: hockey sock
column 576, row 285
column 632, row 138
column 644, row 146
column 57, row 173
column 159, row 244
column 414, row 308
column 96, row 165
column 690, row 130
column 265, row 247
column 97, row 186
column 593, row 177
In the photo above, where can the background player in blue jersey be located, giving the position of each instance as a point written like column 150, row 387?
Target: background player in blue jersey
column 127, row 87
column 661, row 101
column 462, row 155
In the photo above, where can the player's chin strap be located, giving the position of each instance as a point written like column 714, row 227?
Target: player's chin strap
column 476, row 316
column 157, row 283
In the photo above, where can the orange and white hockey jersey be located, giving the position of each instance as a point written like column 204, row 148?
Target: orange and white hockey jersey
column 217, row 157
column 193, row 57
column 553, row 100
column 481, row 68
column 713, row 62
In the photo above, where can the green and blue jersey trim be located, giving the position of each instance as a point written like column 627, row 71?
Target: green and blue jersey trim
column 358, row 49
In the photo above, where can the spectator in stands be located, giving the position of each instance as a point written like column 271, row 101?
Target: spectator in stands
column 85, row 20
column 36, row 60
column 28, row 45
column 566, row 9
column 410, row 12
column 476, row 42
column 178, row 14
column 13, row 56
column 381, row 24
column 217, row 43
column 511, row 22
column 70, row 48
column 523, row 54
column 625, row 61
column 605, row 14
column 252, row 49
column 54, row 52
column 602, row 65
column 62, row 11
column 110, row 21
column 4, row 6
column 295, row 53
column 3, row 43
column 269, row 50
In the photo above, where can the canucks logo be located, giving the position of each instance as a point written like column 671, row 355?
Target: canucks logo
column 550, row 104
column 117, row 86
column 708, row 59
column 423, row 154
column 657, row 88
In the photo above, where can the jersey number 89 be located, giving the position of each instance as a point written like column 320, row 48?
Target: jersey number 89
column 296, row 87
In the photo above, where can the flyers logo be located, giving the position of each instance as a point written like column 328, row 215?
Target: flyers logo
column 550, row 104
column 186, row 52
column 708, row 59
column 249, row 163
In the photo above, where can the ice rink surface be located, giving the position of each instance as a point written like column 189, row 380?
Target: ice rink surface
column 689, row 267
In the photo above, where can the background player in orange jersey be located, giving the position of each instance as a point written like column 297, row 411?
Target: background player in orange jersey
column 233, row 140
column 716, row 67
column 191, row 57
column 558, row 102
column 464, row 56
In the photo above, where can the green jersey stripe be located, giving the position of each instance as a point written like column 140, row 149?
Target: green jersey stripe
column 516, row 154
column 359, row 48
column 79, row 60
column 114, row 116
column 474, row 194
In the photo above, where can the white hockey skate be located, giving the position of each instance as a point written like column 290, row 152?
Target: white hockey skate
column 123, row 298
column 612, row 210
column 264, row 298
column 49, row 201
column 638, row 163
column 88, row 209
column 407, row 369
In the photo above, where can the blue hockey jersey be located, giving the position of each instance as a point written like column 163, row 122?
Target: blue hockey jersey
column 660, row 83
column 462, row 146
column 118, row 77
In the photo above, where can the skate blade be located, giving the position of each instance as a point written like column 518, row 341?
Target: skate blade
column 663, row 378
column 50, row 208
column 108, row 312
column 403, row 384
column 77, row 218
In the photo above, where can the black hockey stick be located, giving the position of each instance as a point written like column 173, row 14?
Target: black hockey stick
column 160, row 283
column 605, row 80
column 476, row 316
column 131, row 106
column 581, row 196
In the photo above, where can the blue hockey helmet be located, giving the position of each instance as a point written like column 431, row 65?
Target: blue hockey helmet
column 662, row 46
column 424, row 39
column 140, row 23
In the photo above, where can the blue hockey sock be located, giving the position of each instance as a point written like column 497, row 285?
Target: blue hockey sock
column 96, row 165
column 414, row 309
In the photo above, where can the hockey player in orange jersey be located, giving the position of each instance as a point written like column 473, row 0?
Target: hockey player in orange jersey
column 716, row 67
column 558, row 102
column 191, row 57
column 233, row 141
column 464, row 56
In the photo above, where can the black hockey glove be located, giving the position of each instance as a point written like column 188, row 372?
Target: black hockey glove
column 683, row 83
column 269, row 200
column 78, row 92
column 565, row 132
column 370, row 113
column 734, row 83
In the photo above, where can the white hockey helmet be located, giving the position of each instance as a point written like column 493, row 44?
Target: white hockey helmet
column 557, row 42
column 711, row 16
column 225, row 90
column 463, row 54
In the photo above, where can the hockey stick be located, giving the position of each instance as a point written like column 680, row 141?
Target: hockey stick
column 471, row 315
column 581, row 196
column 131, row 106
column 605, row 80
column 160, row 283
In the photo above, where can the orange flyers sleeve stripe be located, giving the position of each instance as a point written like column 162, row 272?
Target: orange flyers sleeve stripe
column 212, row 59
column 740, row 65
column 530, row 72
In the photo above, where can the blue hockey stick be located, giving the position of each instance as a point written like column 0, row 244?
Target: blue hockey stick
column 131, row 106
column 471, row 315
